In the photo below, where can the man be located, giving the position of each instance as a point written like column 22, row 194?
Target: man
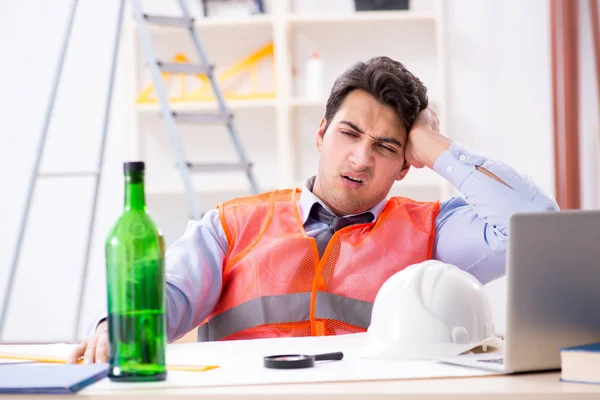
column 310, row 262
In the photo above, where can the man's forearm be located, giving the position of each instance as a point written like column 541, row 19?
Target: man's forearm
column 471, row 232
column 488, row 173
column 493, row 189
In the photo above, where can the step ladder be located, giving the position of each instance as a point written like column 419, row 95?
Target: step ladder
column 170, row 118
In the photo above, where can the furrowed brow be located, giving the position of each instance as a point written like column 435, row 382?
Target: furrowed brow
column 389, row 140
column 353, row 126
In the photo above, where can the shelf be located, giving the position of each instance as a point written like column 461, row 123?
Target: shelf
column 277, row 133
column 363, row 16
column 252, row 20
column 302, row 18
column 300, row 102
column 213, row 22
column 224, row 187
column 295, row 102
column 208, row 105
column 305, row 102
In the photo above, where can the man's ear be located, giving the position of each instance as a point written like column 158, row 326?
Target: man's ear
column 403, row 171
column 321, row 133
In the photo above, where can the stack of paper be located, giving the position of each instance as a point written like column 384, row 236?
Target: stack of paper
column 51, row 353
column 59, row 353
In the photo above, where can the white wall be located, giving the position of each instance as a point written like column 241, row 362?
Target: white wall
column 47, row 284
column 499, row 91
column 499, row 103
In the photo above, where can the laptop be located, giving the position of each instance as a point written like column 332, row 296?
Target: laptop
column 553, row 291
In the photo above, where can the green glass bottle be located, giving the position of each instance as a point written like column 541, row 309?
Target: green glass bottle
column 135, row 277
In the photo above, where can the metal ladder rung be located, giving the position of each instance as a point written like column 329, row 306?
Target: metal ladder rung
column 219, row 167
column 201, row 118
column 185, row 68
column 169, row 21
column 67, row 174
column 173, row 116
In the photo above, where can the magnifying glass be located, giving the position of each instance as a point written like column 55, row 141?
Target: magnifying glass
column 290, row 361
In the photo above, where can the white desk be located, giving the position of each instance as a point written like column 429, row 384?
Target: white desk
column 524, row 386
column 241, row 366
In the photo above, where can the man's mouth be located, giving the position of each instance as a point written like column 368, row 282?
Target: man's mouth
column 353, row 179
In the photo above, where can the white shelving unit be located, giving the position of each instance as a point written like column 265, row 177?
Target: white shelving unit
column 279, row 133
column 361, row 17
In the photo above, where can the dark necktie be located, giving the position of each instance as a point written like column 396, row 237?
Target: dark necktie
column 321, row 214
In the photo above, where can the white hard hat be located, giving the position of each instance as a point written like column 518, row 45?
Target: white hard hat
column 428, row 310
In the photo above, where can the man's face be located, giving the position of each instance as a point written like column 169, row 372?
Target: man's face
column 362, row 154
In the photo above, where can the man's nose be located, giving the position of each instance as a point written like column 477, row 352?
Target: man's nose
column 361, row 156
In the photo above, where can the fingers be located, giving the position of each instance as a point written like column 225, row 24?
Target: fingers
column 90, row 351
column 77, row 352
column 93, row 349
column 102, row 349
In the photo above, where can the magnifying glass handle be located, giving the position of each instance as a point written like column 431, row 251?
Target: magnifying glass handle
column 329, row 356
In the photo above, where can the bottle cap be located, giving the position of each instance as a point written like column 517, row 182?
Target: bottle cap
column 133, row 166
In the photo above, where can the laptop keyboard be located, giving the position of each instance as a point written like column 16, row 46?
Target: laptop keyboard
column 493, row 361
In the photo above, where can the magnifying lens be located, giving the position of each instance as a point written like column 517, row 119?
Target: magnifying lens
column 289, row 361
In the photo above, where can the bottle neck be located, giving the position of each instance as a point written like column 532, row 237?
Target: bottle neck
column 134, row 191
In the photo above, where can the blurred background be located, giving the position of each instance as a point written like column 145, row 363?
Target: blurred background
column 488, row 65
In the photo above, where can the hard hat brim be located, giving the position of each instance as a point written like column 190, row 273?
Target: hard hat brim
column 416, row 351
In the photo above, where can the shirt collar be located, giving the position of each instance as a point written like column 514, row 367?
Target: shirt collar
column 308, row 199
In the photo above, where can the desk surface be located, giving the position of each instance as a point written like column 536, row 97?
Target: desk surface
column 241, row 375
column 522, row 386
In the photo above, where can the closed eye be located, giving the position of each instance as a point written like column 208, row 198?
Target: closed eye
column 351, row 134
column 381, row 145
column 387, row 148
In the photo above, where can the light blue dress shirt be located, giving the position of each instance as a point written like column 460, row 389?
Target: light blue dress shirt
column 470, row 232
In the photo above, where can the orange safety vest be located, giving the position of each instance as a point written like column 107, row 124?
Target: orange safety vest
column 275, row 285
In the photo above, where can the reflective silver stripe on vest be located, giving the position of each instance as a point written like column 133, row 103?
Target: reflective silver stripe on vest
column 352, row 311
column 285, row 308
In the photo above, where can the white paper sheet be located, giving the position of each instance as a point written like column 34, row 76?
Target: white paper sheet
column 15, row 361
column 57, row 351
column 241, row 363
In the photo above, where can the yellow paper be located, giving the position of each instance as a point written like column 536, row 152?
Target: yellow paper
column 25, row 357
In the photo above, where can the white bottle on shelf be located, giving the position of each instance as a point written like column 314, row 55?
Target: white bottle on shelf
column 314, row 77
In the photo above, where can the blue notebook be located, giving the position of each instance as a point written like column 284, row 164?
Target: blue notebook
column 581, row 363
column 49, row 378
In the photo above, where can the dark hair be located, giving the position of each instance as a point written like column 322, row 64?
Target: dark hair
column 386, row 80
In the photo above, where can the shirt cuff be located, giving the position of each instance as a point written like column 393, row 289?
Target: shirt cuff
column 457, row 163
column 99, row 317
